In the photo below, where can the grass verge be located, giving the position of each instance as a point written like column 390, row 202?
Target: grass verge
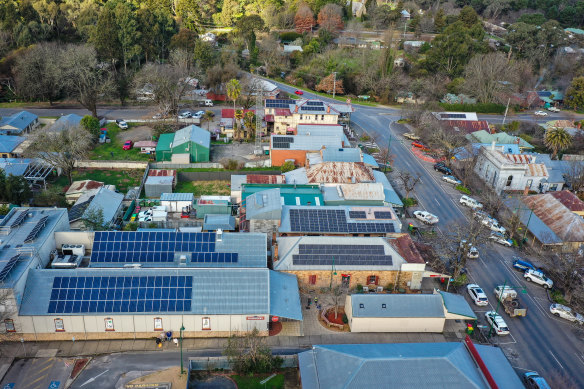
column 113, row 151
column 204, row 188
column 253, row 382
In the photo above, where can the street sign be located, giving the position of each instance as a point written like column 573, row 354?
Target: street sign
column 9, row 386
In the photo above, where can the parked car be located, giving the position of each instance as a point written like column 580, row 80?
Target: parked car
column 411, row 136
column 440, row 167
column 522, row 265
column 497, row 323
column 419, row 145
column 122, row 124
column 538, row 277
column 477, row 295
column 540, row 113
column 492, row 224
column 473, row 252
column 185, row 115
column 533, row 380
column 553, row 109
column 426, row 217
column 470, row 202
column 298, row 92
column 199, row 114
column 128, row 145
column 500, row 238
column 566, row 313
column 452, row 180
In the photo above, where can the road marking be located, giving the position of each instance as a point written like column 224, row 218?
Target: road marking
column 48, row 367
column 94, row 378
column 37, row 380
column 552, row 354
column 580, row 358
column 521, row 368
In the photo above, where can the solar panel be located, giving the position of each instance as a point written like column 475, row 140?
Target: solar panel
column 453, row 116
column 357, row 214
column 382, row 215
column 19, row 219
column 8, row 266
column 312, row 108
column 333, row 220
column 341, row 259
column 78, row 210
column 278, row 103
column 36, row 229
column 315, row 103
column 121, row 294
column 282, row 142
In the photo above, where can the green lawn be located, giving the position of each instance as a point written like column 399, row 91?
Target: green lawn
column 121, row 179
column 247, row 382
column 113, row 151
column 204, row 188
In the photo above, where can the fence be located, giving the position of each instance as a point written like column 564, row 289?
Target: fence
column 111, row 164
column 200, row 165
column 212, row 363
column 224, row 175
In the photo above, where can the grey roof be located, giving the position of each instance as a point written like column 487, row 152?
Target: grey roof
column 319, row 129
column 66, row 122
column 296, row 176
column 404, row 366
column 159, row 180
column 369, row 160
column 284, row 296
column 265, row 204
column 312, row 142
column 18, row 121
column 534, row 224
column 391, row 196
column 214, row 292
column 14, row 166
column 194, row 134
column 456, row 304
column 397, row 305
column 237, row 180
column 106, row 200
column 177, row 197
column 8, row 143
column 341, row 155
column 289, row 246
column 215, row 222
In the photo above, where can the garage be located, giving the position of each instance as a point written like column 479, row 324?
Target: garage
column 176, row 202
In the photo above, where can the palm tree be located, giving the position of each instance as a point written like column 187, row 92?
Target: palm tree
column 233, row 92
column 557, row 139
column 249, row 123
column 237, row 114
column 207, row 117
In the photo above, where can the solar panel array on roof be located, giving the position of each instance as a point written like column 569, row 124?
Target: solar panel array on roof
column 8, row 266
column 325, row 254
column 357, row 214
column 19, row 219
column 121, row 294
column 315, row 103
column 311, row 108
column 453, row 116
column 278, row 103
column 282, row 142
column 382, row 215
column 78, row 210
column 332, row 220
column 36, row 229
column 146, row 246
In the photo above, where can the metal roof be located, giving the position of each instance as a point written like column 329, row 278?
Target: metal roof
column 456, row 304
column 106, row 200
column 177, row 196
column 9, row 142
column 341, row 155
column 194, row 134
column 569, row 200
column 319, row 129
column 265, row 204
column 214, row 222
column 289, row 193
column 340, row 173
column 406, row 247
column 164, row 142
column 402, row 365
column 370, row 160
column 391, row 196
column 397, row 305
column 296, row 176
column 14, row 166
column 310, row 142
column 534, row 224
column 564, row 223
column 160, row 180
column 284, row 296
column 19, row 121
column 483, row 136
column 214, row 291
column 66, row 122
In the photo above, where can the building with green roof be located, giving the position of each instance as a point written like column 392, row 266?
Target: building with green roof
column 483, row 136
column 189, row 144
column 290, row 194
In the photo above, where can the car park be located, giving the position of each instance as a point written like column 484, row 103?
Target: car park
column 477, row 295
column 128, row 145
column 451, row 180
column 426, row 217
column 470, row 202
column 185, row 115
column 496, row 322
column 500, row 238
column 440, row 167
column 533, row 380
column 122, row 124
column 522, row 265
column 567, row 313
column 538, row 277
column 411, row 136
column 540, row 113
column 299, row 92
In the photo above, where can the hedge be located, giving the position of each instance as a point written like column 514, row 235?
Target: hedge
column 289, row 36
column 478, row 107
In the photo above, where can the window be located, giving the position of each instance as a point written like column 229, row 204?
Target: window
column 509, row 180
column 207, row 323
column 312, row 280
column 361, row 305
column 59, row 325
column 109, row 324
column 346, row 279
column 9, row 324
column 529, row 183
column 372, row 280
column 301, row 117
column 321, row 117
column 384, row 306
column 158, row 324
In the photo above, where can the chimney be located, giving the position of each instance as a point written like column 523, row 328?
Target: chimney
column 493, row 145
column 275, row 251
column 353, row 180
column 296, row 109
column 219, row 235
column 328, row 109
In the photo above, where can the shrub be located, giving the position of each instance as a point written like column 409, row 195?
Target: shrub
column 287, row 166
column 230, row 164
column 131, row 226
column 409, row 202
column 364, row 138
column 289, row 36
column 359, row 288
column 478, row 107
column 389, row 287
column 557, row 296
column 345, row 319
column 462, row 189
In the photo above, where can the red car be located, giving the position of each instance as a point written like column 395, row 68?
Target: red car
column 419, row 145
column 299, row 92
column 128, row 145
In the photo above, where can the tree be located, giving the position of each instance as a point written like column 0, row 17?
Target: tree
column 15, row 189
column 38, row 73
column 439, row 21
column 156, row 29
column 184, row 39
column 330, row 84
column 574, row 176
column 61, row 150
column 557, row 139
column 447, row 140
column 575, row 94
column 249, row 123
column 468, row 16
column 237, row 116
column 408, row 181
column 93, row 219
column 287, row 166
column 564, row 268
column 271, row 56
column 208, row 117
column 128, row 33
column 91, row 125
column 304, row 19
column 330, row 18
column 490, row 77
column 204, row 55
column 104, row 36
column 535, row 43
column 233, row 92
column 247, row 27
column 249, row 354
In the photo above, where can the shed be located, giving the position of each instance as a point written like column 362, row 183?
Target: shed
column 218, row 222
column 66, row 122
column 155, row 186
column 176, row 202
column 191, row 141
column 18, row 123
column 146, row 146
column 8, row 144
column 212, row 205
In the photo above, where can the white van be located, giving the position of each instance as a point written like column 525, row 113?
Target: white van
column 208, row 103
column 470, row 202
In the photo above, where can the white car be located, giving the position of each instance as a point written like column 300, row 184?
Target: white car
column 122, row 124
column 144, row 214
column 426, row 217
column 497, row 323
column 470, row 202
column 566, row 313
column 553, row 109
column 477, row 295
column 199, row 114
column 538, row 277
column 500, row 238
column 452, row 180
column 185, row 115
column 493, row 225
column 473, row 252
column 540, row 113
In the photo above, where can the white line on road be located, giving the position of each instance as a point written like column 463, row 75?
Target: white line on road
column 580, row 358
column 94, row 378
column 552, row 354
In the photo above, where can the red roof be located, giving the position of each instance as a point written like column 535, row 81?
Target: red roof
column 159, row 172
column 213, row 96
column 407, row 249
column 227, row 113
column 569, row 200
column 469, row 126
column 283, row 112
column 266, row 179
column 269, row 118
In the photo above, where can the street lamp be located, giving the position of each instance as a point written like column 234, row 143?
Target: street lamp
column 182, row 370
column 333, row 272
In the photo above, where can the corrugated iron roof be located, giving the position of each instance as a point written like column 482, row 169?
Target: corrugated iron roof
column 266, row 179
column 536, row 170
column 561, row 220
column 282, row 112
column 161, row 172
column 84, row 185
column 407, row 249
column 228, row 113
column 145, row 143
column 340, row 173
column 569, row 200
column 469, row 126
column 519, row 158
column 362, row 191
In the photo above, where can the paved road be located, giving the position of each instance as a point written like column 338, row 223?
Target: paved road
column 38, row 373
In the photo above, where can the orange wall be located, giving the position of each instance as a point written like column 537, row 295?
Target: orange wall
column 280, row 156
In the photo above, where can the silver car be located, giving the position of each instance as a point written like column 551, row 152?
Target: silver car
column 566, row 313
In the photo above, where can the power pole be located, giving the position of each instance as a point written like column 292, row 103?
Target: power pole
column 334, row 83
column 506, row 109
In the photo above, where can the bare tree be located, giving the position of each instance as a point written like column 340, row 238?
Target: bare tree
column 61, row 149
column 250, row 354
column 408, row 181
column 565, row 268
column 337, row 293
column 38, row 72
column 464, row 167
column 574, row 175
column 271, row 56
column 491, row 77
column 491, row 200
column 447, row 140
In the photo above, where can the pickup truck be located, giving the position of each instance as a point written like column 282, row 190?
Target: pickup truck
column 426, row 217
column 411, row 136
column 508, row 298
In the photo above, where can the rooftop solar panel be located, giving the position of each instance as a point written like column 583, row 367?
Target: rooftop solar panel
column 36, row 229
column 453, row 116
column 19, row 219
column 382, row 215
column 8, row 266
column 357, row 214
column 321, row 220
